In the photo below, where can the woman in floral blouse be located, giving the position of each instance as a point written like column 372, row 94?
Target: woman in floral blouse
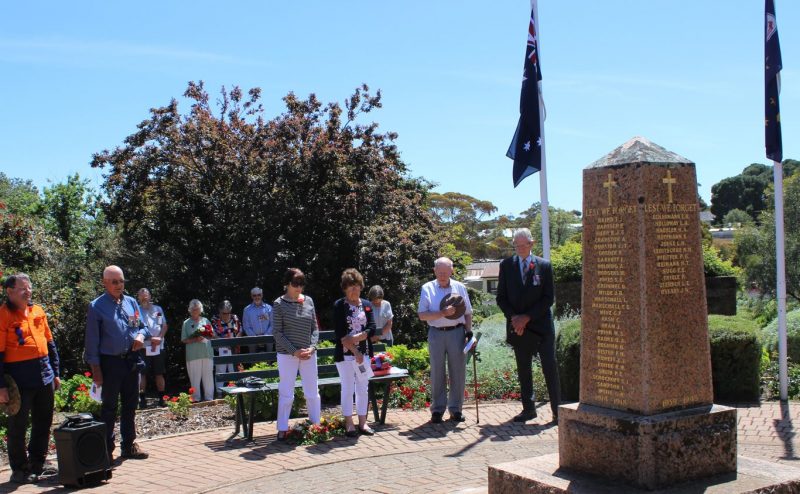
column 354, row 326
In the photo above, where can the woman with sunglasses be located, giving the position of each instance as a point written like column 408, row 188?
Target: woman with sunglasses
column 27, row 354
column 296, row 335
column 226, row 325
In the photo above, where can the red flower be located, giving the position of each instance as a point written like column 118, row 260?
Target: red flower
column 87, row 374
column 174, row 399
column 427, row 404
column 367, row 308
column 532, row 266
column 191, row 391
column 165, row 398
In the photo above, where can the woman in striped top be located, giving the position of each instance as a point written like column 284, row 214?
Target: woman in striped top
column 296, row 335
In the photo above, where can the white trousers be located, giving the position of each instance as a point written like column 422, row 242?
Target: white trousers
column 201, row 371
column 350, row 385
column 288, row 367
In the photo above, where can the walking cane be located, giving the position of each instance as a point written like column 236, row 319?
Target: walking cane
column 474, row 352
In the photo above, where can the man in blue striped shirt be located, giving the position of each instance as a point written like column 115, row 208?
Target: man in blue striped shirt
column 114, row 336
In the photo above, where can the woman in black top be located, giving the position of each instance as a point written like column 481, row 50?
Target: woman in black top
column 354, row 326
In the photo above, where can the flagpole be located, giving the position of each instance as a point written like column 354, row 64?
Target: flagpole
column 543, row 172
column 780, row 266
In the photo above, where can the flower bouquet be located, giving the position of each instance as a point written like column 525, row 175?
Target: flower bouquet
column 381, row 364
column 204, row 331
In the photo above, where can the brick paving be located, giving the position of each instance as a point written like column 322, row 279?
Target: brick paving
column 407, row 455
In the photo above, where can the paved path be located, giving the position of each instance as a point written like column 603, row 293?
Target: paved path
column 407, row 455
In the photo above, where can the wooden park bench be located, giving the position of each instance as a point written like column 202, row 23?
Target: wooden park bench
column 328, row 375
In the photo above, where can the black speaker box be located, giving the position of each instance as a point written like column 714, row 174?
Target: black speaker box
column 81, row 450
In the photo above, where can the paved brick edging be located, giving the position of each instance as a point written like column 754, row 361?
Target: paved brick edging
column 201, row 461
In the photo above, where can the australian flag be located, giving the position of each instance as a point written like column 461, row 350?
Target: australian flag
column 772, row 84
column 526, row 147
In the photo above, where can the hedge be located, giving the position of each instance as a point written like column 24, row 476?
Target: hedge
column 568, row 353
column 735, row 358
column 769, row 336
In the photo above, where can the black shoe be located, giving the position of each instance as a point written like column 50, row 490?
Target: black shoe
column 352, row 433
column 436, row 417
column 456, row 417
column 142, row 402
column 282, row 435
column 525, row 416
column 23, row 477
column 135, row 452
column 366, row 431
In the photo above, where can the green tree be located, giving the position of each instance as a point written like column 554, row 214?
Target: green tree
column 755, row 246
column 462, row 217
column 737, row 218
column 747, row 191
column 217, row 200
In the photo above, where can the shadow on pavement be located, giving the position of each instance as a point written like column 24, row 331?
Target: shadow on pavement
column 784, row 429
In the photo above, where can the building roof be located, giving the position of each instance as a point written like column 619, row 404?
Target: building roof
column 483, row 270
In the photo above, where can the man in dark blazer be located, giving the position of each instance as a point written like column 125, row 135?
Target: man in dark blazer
column 525, row 293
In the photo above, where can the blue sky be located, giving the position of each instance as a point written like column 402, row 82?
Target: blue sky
column 79, row 76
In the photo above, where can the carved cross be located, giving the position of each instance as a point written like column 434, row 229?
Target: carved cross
column 669, row 180
column 608, row 185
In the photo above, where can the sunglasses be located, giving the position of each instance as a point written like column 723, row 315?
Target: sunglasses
column 298, row 284
column 20, row 338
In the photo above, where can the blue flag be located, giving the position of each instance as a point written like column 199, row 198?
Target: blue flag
column 772, row 85
column 526, row 147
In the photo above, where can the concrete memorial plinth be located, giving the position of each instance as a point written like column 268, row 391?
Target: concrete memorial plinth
column 646, row 417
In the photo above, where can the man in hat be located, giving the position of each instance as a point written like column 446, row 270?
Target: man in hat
column 114, row 336
column 27, row 354
column 444, row 305
column 525, row 292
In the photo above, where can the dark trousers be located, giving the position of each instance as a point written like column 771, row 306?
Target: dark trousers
column 38, row 404
column 120, row 380
column 547, row 353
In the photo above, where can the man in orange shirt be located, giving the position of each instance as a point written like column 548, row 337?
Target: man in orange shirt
column 29, row 355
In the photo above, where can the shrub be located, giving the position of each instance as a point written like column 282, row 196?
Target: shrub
column 568, row 353
column 567, row 262
column 714, row 265
column 416, row 360
column 412, row 393
column 735, row 357
column 771, row 381
column 769, row 336
column 73, row 395
column 181, row 405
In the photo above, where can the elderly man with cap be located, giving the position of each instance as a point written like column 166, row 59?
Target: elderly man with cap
column 114, row 335
column 27, row 354
column 257, row 318
column 444, row 304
